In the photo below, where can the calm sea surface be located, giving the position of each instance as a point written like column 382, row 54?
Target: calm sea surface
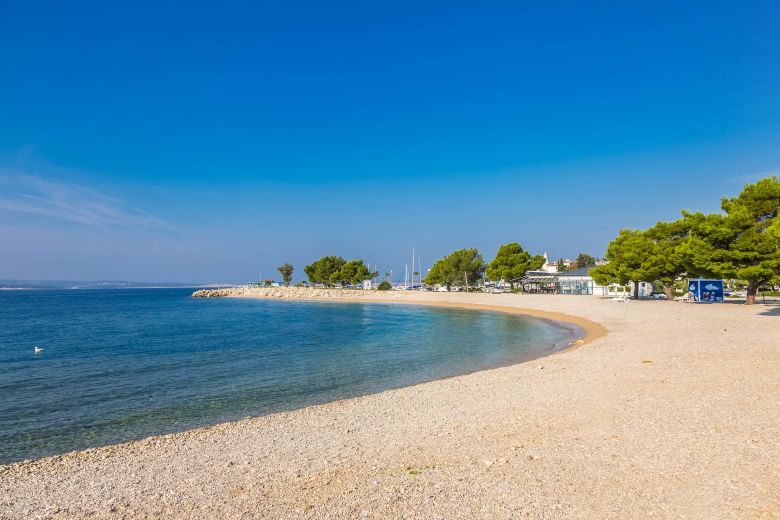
column 125, row 364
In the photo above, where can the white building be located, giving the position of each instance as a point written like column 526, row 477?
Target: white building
column 552, row 267
column 577, row 281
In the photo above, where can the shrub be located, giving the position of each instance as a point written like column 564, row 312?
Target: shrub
column 385, row 286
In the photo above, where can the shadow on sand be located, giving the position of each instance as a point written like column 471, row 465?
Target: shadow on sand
column 770, row 308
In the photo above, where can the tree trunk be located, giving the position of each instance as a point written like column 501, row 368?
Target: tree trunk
column 511, row 286
column 752, row 289
column 636, row 290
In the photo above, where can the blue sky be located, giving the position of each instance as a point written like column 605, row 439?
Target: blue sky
column 212, row 142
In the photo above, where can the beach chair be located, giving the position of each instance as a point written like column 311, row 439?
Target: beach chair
column 621, row 299
column 687, row 297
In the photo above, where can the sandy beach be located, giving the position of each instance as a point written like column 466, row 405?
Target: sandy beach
column 670, row 410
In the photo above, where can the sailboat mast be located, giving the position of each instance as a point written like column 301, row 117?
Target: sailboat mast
column 412, row 268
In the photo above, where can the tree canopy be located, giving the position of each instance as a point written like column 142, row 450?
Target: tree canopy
column 742, row 243
column 330, row 270
column 324, row 269
column 585, row 260
column 624, row 257
column 457, row 268
column 352, row 272
column 655, row 254
column 666, row 261
column 511, row 262
column 286, row 270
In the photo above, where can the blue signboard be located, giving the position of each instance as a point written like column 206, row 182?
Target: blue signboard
column 706, row 290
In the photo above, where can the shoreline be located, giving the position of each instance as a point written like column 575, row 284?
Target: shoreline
column 573, row 324
column 592, row 330
column 667, row 415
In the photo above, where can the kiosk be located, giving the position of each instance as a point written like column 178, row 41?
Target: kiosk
column 705, row 290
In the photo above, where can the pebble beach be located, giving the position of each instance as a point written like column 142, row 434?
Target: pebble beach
column 668, row 410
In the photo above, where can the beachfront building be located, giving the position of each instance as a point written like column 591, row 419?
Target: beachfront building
column 577, row 281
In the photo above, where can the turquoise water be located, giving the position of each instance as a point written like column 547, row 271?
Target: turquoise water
column 125, row 364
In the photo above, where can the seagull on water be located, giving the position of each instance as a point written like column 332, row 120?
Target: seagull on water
column 38, row 349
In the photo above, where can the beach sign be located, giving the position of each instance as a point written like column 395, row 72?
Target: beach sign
column 704, row 290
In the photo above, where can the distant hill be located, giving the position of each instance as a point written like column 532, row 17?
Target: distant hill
column 98, row 284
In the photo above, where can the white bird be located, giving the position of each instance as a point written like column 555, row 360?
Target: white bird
column 38, row 349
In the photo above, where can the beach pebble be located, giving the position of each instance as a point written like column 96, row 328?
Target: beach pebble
column 451, row 426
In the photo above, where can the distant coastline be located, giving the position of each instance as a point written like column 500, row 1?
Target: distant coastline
column 54, row 285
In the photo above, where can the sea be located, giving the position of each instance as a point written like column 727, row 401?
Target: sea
column 118, row 365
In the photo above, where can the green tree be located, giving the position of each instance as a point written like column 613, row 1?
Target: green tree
column 385, row 286
column 667, row 261
column 744, row 241
column 352, row 272
column 286, row 270
column 656, row 255
column 435, row 274
column 585, row 260
column 561, row 266
column 457, row 268
column 324, row 269
column 511, row 262
column 624, row 259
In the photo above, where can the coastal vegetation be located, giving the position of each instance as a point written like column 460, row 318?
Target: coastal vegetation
column 331, row 270
column 461, row 267
column 511, row 263
column 741, row 243
column 652, row 254
column 286, row 270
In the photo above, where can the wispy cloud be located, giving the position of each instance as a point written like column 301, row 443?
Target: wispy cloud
column 27, row 194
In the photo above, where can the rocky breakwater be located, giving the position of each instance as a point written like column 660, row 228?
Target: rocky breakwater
column 293, row 293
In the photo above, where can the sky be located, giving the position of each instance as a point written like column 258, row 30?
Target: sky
column 194, row 142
